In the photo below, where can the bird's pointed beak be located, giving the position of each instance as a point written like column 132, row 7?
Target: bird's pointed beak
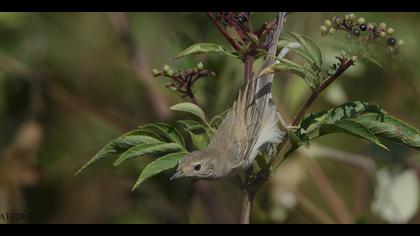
column 177, row 175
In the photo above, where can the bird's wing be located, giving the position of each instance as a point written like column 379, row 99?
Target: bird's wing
column 261, row 116
column 231, row 135
column 262, row 125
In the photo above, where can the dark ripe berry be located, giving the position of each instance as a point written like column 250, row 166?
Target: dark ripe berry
column 363, row 27
column 392, row 41
column 241, row 19
column 356, row 32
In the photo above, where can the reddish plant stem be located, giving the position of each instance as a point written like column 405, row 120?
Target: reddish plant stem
column 139, row 64
column 248, row 197
column 361, row 193
column 334, row 201
column 249, row 61
column 247, row 192
column 190, row 94
column 343, row 67
column 223, row 31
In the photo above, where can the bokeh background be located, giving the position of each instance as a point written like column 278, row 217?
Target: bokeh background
column 71, row 82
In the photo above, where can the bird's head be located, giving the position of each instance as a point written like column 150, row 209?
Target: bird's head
column 200, row 164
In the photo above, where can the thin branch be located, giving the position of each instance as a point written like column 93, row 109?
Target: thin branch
column 319, row 151
column 248, row 192
column 343, row 67
column 249, row 61
column 223, row 31
column 15, row 67
column 139, row 64
column 334, row 201
column 361, row 193
column 248, row 197
column 365, row 173
column 311, row 207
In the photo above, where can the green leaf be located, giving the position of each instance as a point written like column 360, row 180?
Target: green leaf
column 284, row 65
column 148, row 148
column 373, row 61
column 164, row 130
column 121, row 144
column 201, row 48
column 200, row 135
column 217, row 119
column 389, row 127
column 306, row 48
column 310, row 47
column 305, row 72
column 161, row 164
column 312, row 121
column 352, row 128
column 297, row 139
column 299, row 50
column 190, row 108
column 200, row 140
column 261, row 161
column 359, row 119
column 192, row 125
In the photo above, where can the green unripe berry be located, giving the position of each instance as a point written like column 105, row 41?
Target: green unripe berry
column 200, row 66
column 382, row 34
column 382, row 26
column 327, row 23
column 347, row 17
column 352, row 16
column 332, row 31
column 361, row 20
column 337, row 20
column 323, row 29
column 170, row 72
column 155, row 72
column 354, row 58
column 389, row 31
column 166, row 68
column 400, row 42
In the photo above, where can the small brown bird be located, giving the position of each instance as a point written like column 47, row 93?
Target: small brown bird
column 247, row 128
column 235, row 144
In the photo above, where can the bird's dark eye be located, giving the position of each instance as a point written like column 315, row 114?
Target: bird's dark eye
column 197, row 167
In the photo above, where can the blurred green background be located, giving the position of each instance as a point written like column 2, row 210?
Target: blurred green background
column 71, row 82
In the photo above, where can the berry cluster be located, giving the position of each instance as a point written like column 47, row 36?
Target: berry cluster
column 183, row 80
column 361, row 30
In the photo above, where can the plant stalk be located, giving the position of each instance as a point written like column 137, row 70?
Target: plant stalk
column 248, row 197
